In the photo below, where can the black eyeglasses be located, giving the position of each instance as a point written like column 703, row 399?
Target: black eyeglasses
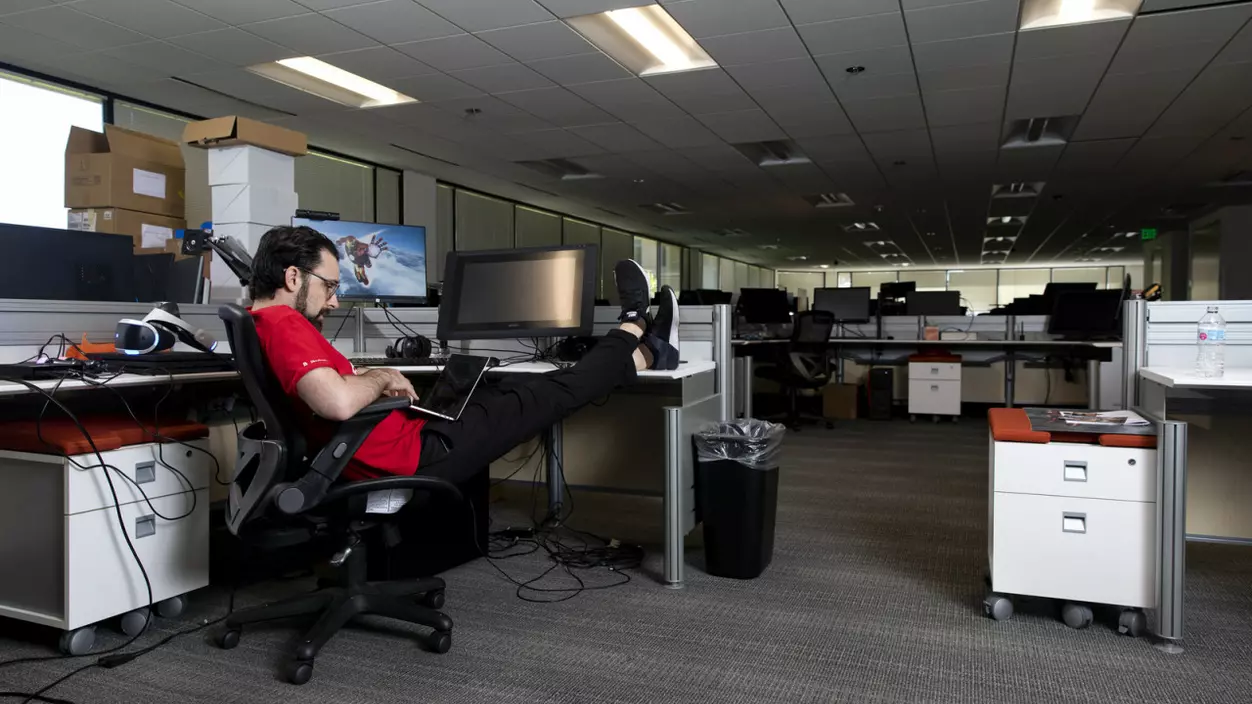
column 332, row 285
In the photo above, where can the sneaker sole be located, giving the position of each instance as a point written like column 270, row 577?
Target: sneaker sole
column 673, row 327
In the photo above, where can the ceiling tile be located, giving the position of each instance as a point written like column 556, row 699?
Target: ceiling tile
column 493, row 114
column 755, row 47
column 8, row 7
column 1070, row 39
column 245, row 11
column 481, row 15
column 965, row 78
column 558, row 106
column 74, row 28
column 742, row 126
column 262, row 91
column 1208, row 24
column 502, row 78
column 1208, row 103
column 882, row 61
column 968, row 19
column 1089, row 157
column 156, row 18
column 574, row 8
column 659, row 109
column 1126, row 105
column 310, row 34
column 101, row 71
column 236, row 47
column 818, row 120
column 688, row 83
column 19, row 44
column 958, row 53
column 167, row 58
column 1169, row 57
column 558, row 143
column 455, row 53
column 770, row 97
column 964, row 107
column 865, row 85
column 531, row 42
column 700, row 103
column 713, row 18
column 858, row 34
column 584, row 68
column 678, row 132
column 1059, row 69
column 1051, row 98
column 394, row 21
column 886, row 114
column 617, row 92
column 800, row 73
column 380, row 63
column 810, row 11
column 616, row 137
column 1239, row 48
column 434, row 86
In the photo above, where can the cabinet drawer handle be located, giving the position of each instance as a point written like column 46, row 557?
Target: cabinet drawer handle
column 934, row 387
column 145, row 472
column 145, row 526
column 934, row 370
column 1073, row 522
column 1075, row 471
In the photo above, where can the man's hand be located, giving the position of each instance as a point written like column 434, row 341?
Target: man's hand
column 395, row 383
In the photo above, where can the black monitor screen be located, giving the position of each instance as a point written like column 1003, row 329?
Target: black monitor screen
column 764, row 306
column 933, row 303
column 1086, row 313
column 66, row 265
column 896, row 289
column 848, row 305
column 518, row 293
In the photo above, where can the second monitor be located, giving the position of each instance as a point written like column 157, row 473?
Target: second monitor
column 933, row 303
column 848, row 305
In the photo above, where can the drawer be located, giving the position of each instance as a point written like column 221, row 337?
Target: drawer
column 101, row 577
column 1071, row 469
column 1076, row 549
column 938, row 396
column 87, row 490
column 934, row 370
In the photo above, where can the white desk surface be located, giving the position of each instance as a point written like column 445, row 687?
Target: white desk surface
column 1185, row 378
column 994, row 344
column 683, row 371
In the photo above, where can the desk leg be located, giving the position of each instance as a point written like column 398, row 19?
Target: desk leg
column 1171, row 507
column 744, row 390
column 1010, row 377
column 556, row 475
column 1093, row 384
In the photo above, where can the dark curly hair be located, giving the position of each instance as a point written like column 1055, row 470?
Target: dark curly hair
column 280, row 248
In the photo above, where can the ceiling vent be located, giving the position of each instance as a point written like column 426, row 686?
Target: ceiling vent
column 563, row 169
column 779, row 152
column 1236, row 178
column 829, row 200
column 1019, row 189
column 1039, row 131
column 767, row 246
column 670, row 208
column 1007, row 221
column 1000, row 239
column 866, row 226
column 733, row 232
column 1179, row 210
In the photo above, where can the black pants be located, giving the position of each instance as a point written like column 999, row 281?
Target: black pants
column 499, row 418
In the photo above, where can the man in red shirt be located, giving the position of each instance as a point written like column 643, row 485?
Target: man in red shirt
column 295, row 278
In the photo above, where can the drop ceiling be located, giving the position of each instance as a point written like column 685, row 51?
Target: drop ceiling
column 1148, row 120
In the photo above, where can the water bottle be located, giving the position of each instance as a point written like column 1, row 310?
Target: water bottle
column 1211, row 345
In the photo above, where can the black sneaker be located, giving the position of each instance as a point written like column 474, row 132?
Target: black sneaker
column 632, row 291
column 663, row 340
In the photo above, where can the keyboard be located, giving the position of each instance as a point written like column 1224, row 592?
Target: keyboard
column 397, row 361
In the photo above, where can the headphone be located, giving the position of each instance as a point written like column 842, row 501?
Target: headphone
column 409, row 346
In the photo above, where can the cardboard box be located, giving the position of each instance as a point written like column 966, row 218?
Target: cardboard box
column 233, row 131
column 238, row 203
column 123, row 169
column 146, row 229
column 839, row 401
column 229, row 166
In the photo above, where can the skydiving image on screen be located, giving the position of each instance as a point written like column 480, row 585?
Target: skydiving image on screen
column 375, row 260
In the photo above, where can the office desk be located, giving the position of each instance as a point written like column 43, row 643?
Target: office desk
column 1156, row 386
column 8, row 388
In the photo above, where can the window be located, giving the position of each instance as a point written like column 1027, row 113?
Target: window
column 708, row 271
column 726, row 276
column 873, row 279
column 842, row 279
column 670, row 268
column 1080, row 275
column 1020, row 283
column 336, row 185
column 977, row 287
column 927, row 280
column 1137, row 281
column 802, row 283
column 482, row 222
column 35, row 121
column 649, row 258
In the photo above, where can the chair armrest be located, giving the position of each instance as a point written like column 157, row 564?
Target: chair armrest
column 416, row 482
column 310, row 490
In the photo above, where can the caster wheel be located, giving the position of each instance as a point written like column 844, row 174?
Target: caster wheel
column 912, row 418
column 299, row 671
column 439, row 642
column 78, row 641
column 1133, row 623
column 433, row 599
column 956, row 419
column 934, row 419
column 172, row 607
column 998, row 607
column 228, row 639
column 132, row 623
column 1076, row 616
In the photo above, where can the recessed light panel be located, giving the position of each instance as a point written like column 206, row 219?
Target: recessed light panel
column 330, row 82
column 1038, row 14
column 645, row 40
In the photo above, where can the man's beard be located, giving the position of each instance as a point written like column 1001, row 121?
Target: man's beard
column 302, row 305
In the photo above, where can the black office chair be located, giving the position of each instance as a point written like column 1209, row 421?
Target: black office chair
column 803, row 365
column 284, row 493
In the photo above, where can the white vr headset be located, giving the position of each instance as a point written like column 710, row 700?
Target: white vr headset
column 159, row 330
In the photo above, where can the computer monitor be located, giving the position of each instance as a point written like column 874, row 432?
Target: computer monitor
column 704, row 297
column 1053, row 290
column 538, row 292
column 848, row 305
column 764, row 306
column 896, row 289
column 933, row 303
column 377, row 262
column 66, row 265
column 1087, row 314
column 186, row 281
column 159, row 277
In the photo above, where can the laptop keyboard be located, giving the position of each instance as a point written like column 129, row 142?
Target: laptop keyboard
column 397, row 361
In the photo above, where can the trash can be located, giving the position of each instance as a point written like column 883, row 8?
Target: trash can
column 737, row 495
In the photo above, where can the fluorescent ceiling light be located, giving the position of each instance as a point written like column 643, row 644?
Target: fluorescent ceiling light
column 824, row 266
column 330, row 82
column 1037, row 14
column 645, row 40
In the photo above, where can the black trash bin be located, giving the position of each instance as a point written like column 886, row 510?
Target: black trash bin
column 737, row 495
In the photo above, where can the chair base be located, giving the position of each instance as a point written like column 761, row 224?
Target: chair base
column 413, row 601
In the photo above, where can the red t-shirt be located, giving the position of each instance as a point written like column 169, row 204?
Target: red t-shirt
column 293, row 348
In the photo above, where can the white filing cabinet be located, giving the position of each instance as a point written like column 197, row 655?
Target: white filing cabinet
column 65, row 561
column 1073, row 522
column 935, row 388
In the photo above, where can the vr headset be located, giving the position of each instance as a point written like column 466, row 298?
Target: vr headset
column 159, row 330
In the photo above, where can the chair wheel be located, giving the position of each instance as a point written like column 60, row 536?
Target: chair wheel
column 299, row 671
column 78, row 641
column 228, row 639
column 132, row 623
column 1076, row 616
column 433, row 599
column 439, row 642
column 998, row 607
column 1132, row 623
column 172, row 607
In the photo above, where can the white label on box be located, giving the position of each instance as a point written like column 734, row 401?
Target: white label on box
column 149, row 183
column 154, row 235
column 78, row 221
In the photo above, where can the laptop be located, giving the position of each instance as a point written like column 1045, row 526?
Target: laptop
column 453, row 388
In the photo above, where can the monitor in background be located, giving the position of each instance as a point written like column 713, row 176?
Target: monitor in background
column 933, row 303
column 377, row 262
column 848, row 305
column 764, row 306
column 160, row 277
column 1090, row 314
column 896, row 289
column 66, row 265
column 704, row 297
column 1054, row 290
column 539, row 292
column 185, row 283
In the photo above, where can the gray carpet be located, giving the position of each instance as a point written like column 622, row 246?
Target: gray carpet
column 873, row 596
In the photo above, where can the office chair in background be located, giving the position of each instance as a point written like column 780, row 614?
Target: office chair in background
column 284, row 494
column 803, row 365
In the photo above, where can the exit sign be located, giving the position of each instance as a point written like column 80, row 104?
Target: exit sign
column 1148, row 233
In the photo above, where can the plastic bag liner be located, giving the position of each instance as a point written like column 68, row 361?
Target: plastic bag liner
column 751, row 442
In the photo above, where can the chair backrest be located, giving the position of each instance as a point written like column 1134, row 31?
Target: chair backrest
column 812, row 327
column 272, row 450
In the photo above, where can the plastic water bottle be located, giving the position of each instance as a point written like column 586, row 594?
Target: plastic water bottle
column 1211, row 345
